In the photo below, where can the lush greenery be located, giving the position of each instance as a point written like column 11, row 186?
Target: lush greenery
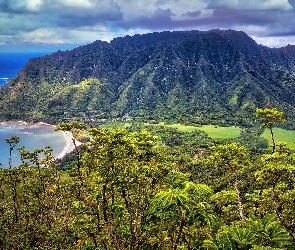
column 193, row 77
column 182, row 184
column 218, row 132
column 282, row 135
column 134, row 190
column 213, row 131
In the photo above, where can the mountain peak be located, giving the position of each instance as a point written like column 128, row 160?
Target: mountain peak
column 211, row 74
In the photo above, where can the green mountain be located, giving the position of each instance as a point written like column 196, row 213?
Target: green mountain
column 219, row 76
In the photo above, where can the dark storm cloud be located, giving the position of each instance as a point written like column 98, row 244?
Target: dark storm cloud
column 67, row 13
column 263, row 14
column 283, row 34
column 53, row 20
column 192, row 13
column 7, row 6
column 247, row 17
column 270, row 21
column 159, row 16
column 78, row 18
column 292, row 2
column 163, row 19
column 87, row 20
column 158, row 19
column 255, row 13
column 12, row 24
column 220, row 17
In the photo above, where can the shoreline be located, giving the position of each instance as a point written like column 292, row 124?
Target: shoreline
column 68, row 137
column 69, row 147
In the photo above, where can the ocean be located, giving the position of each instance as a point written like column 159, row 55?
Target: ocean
column 32, row 137
column 12, row 63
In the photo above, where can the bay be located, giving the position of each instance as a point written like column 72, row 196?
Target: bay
column 32, row 136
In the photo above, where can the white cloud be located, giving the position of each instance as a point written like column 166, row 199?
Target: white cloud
column 252, row 4
column 133, row 8
column 276, row 42
column 34, row 5
column 77, row 3
column 251, row 29
column 42, row 35
column 83, row 21
column 179, row 7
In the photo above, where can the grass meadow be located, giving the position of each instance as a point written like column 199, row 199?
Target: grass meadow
column 281, row 135
column 219, row 132
column 215, row 132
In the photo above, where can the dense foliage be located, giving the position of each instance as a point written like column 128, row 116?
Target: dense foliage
column 208, row 77
column 129, row 190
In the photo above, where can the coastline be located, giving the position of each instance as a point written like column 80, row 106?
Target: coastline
column 69, row 147
column 68, row 137
column 17, row 123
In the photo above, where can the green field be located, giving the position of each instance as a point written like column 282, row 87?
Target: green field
column 215, row 132
column 182, row 128
column 281, row 135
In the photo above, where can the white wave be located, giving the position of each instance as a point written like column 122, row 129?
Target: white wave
column 4, row 78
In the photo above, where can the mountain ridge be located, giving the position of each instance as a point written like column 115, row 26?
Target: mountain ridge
column 197, row 75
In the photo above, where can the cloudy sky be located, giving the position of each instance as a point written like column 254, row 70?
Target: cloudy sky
column 32, row 24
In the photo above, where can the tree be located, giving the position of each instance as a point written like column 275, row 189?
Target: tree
column 179, row 215
column 123, row 172
column 269, row 231
column 34, row 202
column 265, row 233
column 269, row 118
column 231, row 157
column 13, row 176
column 74, row 128
column 13, row 141
column 277, row 180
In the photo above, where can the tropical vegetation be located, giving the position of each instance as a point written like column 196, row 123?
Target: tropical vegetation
column 136, row 190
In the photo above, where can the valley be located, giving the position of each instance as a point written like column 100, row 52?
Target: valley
column 177, row 142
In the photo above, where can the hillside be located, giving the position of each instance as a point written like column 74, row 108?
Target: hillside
column 217, row 76
column 133, row 191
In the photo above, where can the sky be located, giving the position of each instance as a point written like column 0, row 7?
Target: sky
column 36, row 25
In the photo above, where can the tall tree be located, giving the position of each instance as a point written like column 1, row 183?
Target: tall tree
column 276, row 176
column 269, row 118
column 123, row 172
column 13, row 141
column 231, row 157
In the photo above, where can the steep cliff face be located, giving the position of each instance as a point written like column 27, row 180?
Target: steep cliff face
column 221, row 75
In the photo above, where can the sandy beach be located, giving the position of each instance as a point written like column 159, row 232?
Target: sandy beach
column 69, row 147
column 68, row 137
column 13, row 123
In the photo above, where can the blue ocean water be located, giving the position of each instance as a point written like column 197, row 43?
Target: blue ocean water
column 32, row 136
column 11, row 63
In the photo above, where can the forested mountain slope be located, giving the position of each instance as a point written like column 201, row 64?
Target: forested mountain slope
column 199, row 75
